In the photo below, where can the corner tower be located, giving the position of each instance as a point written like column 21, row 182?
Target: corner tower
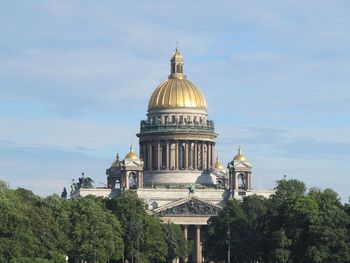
column 177, row 140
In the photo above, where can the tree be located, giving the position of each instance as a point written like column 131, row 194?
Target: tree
column 153, row 244
column 27, row 229
column 178, row 246
column 289, row 188
column 230, row 219
column 95, row 233
column 131, row 212
column 330, row 238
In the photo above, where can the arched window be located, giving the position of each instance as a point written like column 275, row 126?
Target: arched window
column 178, row 68
column 242, row 181
column 132, row 180
column 117, row 184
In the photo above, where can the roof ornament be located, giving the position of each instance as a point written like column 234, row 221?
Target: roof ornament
column 176, row 65
column 131, row 154
column 239, row 156
column 191, row 189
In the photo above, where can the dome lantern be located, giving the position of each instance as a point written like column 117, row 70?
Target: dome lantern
column 177, row 91
column 176, row 65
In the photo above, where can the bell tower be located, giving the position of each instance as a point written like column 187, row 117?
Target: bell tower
column 126, row 174
column 240, row 174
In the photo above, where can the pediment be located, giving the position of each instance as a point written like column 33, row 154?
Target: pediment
column 191, row 206
column 133, row 163
column 242, row 165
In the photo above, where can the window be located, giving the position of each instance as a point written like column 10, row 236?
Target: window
column 132, row 180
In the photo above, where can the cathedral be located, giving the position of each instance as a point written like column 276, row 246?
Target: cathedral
column 176, row 171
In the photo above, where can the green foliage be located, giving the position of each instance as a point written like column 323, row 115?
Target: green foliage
column 45, row 230
column 292, row 226
column 144, row 236
column 177, row 244
column 94, row 232
column 289, row 188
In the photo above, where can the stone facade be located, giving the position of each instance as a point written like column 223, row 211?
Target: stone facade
column 177, row 172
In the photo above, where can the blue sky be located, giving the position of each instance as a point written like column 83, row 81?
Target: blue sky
column 76, row 76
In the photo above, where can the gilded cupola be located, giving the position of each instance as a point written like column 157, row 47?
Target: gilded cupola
column 218, row 164
column 116, row 163
column 177, row 91
column 131, row 154
column 239, row 156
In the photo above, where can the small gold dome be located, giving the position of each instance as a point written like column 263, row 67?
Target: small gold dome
column 131, row 155
column 239, row 156
column 177, row 91
column 177, row 55
column 116, row 163
column 218, row 164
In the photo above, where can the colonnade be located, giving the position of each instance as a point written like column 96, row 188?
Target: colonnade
column 198, row 258
column 178, row 155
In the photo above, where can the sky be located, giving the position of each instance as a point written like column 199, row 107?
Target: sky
column 76, row 77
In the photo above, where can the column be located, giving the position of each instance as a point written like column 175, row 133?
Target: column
column 196, row 155
column 212, row 154
column 204, row 160
column 249, row 181
column 185, row 231
column 140, row 179
column 185, row 227
column 198, row 247
column 208, row 155
column 176, row 156
column 167, row 167
column 235, row 181
column 159, row 159
column 126, row 180
column 186, row 155
column 150, row 156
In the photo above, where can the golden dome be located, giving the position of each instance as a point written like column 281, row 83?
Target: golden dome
column 218, row 164
column 239, row 156
column 177, row 91
column 131, row 155
column 116, row 163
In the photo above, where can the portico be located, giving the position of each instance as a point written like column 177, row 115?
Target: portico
column 192, row 214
